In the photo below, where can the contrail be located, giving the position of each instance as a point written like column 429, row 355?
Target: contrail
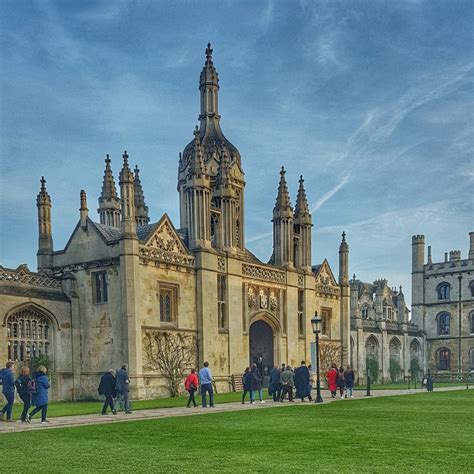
column 329, row 194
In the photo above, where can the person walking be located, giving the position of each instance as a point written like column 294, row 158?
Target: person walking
column 256, row 384
column 191, row 385
column 8, row 389
column 21, row 385
column 107, row 388
column 302, row 382
column 247, row 384
column 39, row 395
column 205, row 377
column 331, row 377
column 349, row 379
column 122, row 387
column 340, row 382
column 274, row 384
column 287, row 378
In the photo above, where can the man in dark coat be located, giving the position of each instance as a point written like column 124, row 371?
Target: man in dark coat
column 8, row 389
column 107, row 388
column 274, row 384
column 122, row 384
column 302, row 377
column 256, row 383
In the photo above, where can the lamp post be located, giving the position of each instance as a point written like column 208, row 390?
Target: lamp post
column 316, row 325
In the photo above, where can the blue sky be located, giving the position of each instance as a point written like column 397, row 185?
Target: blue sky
column 371, row 101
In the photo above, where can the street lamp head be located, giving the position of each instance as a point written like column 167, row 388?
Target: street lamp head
column 316, row 323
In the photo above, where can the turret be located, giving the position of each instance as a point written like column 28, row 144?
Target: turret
column 417, row 275
column 141, row 209
column 84, row 212
column 343, row 262
column 303, row 226
column 198, row 199
column 345, row 299
column 471, row 245
column 45, row 238
column 283, row 249
column 109, row 202
column 127, row 196
column 402, row 316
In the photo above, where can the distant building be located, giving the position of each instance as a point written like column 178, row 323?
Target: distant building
column 443, row 306
column 382, row 336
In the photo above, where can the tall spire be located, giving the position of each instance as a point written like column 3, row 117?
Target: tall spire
column 141, row 209
column 109, row 202
column 301, row 208
column 283, row 203
column 45, row 237
column 209, row 87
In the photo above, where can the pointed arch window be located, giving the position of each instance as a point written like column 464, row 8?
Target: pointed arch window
column 28, row 330
column 444, row 359
column 471, row 287
column 168, row 302
column 222, row 302
column 443, row 290
column 364, row 312
column 471, row 322
column 444, row 324
column 471, row 358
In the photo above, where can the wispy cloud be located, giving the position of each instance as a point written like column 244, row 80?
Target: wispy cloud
column 328, row 195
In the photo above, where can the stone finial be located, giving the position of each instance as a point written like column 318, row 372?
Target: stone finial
column 126, row 175
column 141, row 209
column 208, row 53
column 84, row 211
column 302, row 207
column 283, row 196
column 43, row 197
column 43, row 183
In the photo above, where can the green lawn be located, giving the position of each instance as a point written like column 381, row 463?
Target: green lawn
column 426, row 432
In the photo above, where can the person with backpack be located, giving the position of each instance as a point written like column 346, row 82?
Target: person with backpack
column 21, row 385
column 8, row 389
column 256, row 383
column 247, row 384
column 107, row 388
column 340, row 382
column 38, row 388
column 122, row 384
column 191, row 385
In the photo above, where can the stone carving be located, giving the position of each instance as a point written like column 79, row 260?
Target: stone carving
column 165, row 239
column 150, row 253
column 263, row 299
column 263, row 273
column 273, row 303
column 251, row 298
column 23, row 275
column 301, row 281
column 221, row 264
column 325, row 282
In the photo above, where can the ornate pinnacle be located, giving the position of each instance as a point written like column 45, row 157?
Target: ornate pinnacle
column 301, row 208
column 43, row 183
column 283, row 197
column 108, row 185
column 209, row 53
column 43, row 196
column 126, row 175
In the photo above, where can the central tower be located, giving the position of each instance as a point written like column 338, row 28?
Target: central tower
column 210, row 176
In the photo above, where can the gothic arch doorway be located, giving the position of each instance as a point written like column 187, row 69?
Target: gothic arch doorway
column 261, row 345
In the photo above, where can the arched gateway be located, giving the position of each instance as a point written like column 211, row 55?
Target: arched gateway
column 262, row 345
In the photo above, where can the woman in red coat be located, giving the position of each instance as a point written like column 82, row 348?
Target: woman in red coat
column 331, row 376
column 191, row 385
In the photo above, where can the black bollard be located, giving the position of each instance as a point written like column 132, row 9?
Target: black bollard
column 368, row 386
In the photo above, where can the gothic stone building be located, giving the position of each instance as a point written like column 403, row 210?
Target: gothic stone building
column 443, row 306
column 381, row 331
column 119, row 282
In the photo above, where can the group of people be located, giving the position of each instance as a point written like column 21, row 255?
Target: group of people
column 33, row 391
column 340, row 379
column 115, row 384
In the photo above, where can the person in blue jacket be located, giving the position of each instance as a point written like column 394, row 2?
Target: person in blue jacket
column 247, row 385
column 39, row 398
column 8, row 389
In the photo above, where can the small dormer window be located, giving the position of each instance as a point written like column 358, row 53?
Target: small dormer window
column 443, row 290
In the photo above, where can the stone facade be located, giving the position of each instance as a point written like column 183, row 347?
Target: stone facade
column 123, row 279
column 443, row 306
column 381, row 331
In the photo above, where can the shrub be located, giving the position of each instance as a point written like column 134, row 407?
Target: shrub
column 373, row 368
column 395, row 370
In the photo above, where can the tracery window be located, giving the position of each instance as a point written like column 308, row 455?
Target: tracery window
column 444, row 323
column 301, row 313
column 444, row 359
column 471, row 322
column 471, row 287
column 364, row 312
column 28, row 335
column 221, row 301
column 443, row 290
column 326, row 322
column 168, row 298
column 100, row 287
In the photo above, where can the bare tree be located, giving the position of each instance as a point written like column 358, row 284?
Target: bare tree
column 172, row 353
column 329, row 353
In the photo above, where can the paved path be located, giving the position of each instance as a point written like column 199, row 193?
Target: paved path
column 82, row 420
